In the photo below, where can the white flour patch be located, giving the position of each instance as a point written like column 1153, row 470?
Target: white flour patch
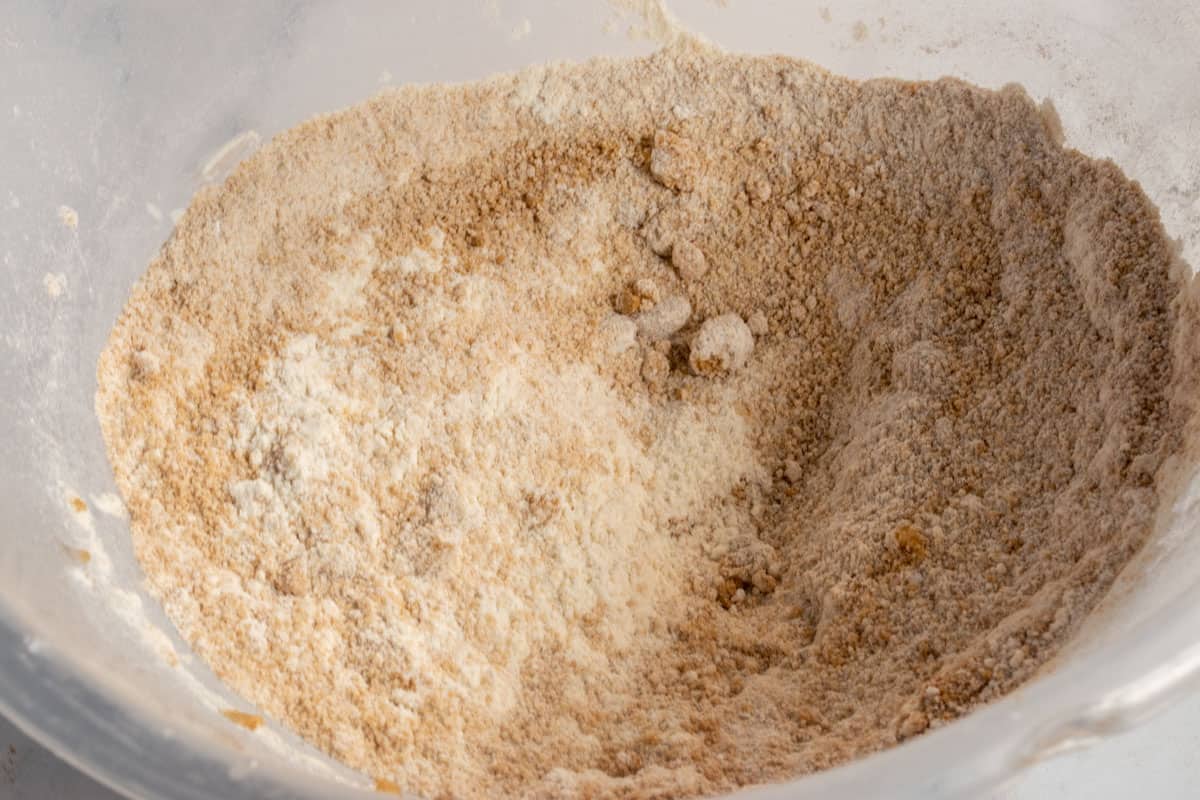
column 55, row 283
column 521, row 30
column 111, row 504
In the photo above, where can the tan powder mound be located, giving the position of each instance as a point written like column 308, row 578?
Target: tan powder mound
column 646, row 428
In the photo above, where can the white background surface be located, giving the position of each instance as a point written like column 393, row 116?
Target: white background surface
column 1159, row 761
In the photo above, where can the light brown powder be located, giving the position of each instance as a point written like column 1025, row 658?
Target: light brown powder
column 646, row 428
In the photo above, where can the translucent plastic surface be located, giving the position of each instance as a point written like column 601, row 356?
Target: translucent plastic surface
column 113, row 114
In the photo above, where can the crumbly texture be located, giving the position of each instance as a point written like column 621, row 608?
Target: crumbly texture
column 646, row 428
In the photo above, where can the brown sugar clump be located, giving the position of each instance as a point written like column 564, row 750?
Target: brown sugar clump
column 250, row 722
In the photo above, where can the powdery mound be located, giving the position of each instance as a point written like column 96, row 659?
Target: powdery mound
column 646, row 428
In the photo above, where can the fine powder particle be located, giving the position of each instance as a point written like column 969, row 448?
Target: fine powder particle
column 646, row 428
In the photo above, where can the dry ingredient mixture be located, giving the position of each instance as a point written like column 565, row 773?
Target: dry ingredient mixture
column 646, row 428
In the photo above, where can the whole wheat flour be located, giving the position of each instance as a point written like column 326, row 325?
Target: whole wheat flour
column 646, row 428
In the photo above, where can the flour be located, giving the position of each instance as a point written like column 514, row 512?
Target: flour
column 645, row 428
column 521, row 30
column 55, row 284
column 723, row 344
column 109, row 503
column 658, row 23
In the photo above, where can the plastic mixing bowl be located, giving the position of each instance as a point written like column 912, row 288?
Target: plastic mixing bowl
column 115, row 112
